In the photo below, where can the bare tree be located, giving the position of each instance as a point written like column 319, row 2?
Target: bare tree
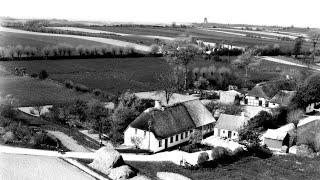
column 181, row 52
column 247, row 60
column 168, row 84
column 19, row 50
column 46, row 51
column 315, row 37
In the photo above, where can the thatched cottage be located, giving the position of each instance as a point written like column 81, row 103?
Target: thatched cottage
column 260, row 95
column 158, row 129
column 229, row 97
column 229, row 125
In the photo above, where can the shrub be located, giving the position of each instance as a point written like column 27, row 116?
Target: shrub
column 43, row 75
column 97, row 92
column 81, row 88
column 202, row 158
column 69, row 84
column 34, row 75
column 219, row 154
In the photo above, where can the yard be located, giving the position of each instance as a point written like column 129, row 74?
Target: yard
column 276, row 167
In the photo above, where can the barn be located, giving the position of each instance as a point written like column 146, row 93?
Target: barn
column 276, row 138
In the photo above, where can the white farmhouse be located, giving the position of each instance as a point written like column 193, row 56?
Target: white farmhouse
column 260, row 95
column 159, row 129
column 229, row 125
column 228, row 97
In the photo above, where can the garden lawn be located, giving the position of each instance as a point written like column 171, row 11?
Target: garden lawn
column 277, row 167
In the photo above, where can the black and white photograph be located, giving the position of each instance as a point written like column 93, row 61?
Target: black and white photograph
column 159, row 90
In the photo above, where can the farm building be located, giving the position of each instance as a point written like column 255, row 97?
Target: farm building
column 283, row 98
column 276, row 138
column 160, row 96
column 229, row 97
column 313, row 107
column 260, row 95
column 308, row 131
column 229, row 125
column 158, row 129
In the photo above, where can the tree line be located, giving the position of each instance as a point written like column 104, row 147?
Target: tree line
column 65, row 50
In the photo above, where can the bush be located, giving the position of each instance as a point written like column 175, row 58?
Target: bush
column 43, row 75
column 34, row 75
column 202, row 158
column 97, row 92
column 69, row 84
column 81, row 88
column 219, row 154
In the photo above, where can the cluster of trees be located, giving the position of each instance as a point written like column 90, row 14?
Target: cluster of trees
column 94, row 115
column 65, row 50
column 307, row 92
column 15, row 131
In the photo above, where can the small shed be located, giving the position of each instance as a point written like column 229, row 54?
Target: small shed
column 275, row 139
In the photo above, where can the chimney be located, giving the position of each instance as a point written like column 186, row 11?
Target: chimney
column 157, row 104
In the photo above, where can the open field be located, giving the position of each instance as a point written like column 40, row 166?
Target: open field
column 107, row 41
column 30, row 91
column 118, row 74
column 13, row 39
column 276, row 167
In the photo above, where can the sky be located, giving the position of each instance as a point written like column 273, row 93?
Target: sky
column 299, row 13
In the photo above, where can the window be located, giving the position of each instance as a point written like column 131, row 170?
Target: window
column 145, row 133
column 135, row 131
column 186, row 134
column 191, row 131
column 223, row 131
column 171, row 139
column 160, row 143
column 181, row 135
column 177, row 137
column 234, row 134
column 257, row 97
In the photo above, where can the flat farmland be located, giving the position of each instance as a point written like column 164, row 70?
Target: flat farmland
column 29, row 91
column 13, row 39
column 111, row 75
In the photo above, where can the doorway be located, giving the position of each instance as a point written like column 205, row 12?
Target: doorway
column 166, row 143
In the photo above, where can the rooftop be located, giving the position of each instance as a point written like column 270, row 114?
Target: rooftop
column 231, row 122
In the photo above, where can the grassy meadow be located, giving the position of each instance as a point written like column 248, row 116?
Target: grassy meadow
column 29, row 91
column 276, row 167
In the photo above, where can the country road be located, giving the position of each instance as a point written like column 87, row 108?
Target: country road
column 277, row 60
column 96, row 39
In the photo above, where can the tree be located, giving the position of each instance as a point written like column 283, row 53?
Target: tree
column 46, row 51
column 297, row 46
column 136, row 141
column 246, row 61
column 43, row 75
column 308, row 92
column 195, row 138
column 167, row 84
column 99, row 118
column 19, row 50
column 181, row 52
column 315, row 37
column 201, row 84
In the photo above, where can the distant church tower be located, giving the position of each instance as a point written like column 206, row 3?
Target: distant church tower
column 205, row 20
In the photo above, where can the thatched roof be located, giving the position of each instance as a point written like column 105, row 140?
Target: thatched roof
column 231, row 122
column 173, row 120
column 283, row 97
column 160, row 96
column 199, row 113
column 266, row 91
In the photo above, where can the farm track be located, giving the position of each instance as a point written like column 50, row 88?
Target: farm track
column 96, row 39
